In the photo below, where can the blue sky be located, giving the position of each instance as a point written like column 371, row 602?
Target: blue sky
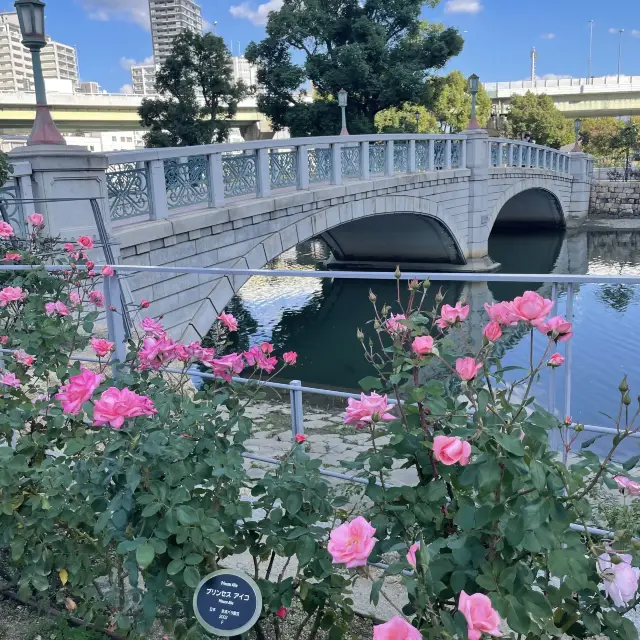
column 499, row 34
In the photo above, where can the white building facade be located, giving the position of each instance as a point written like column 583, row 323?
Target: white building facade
column 243, row 70
column 168, row 19
column 59, row 61
column 143, row 79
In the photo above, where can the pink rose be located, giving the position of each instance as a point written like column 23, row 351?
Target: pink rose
column 257, row 356
column 6, row 230
column 620, row 580
column 557, row 328
column 144, row 304
column 107, row 270
column 290, row 357
column 12, row 257
column 502, row 313
column 11, row 294
column 97, row 298
column 396, row 629
column 23, row 358
column 116, row 405
column 226, row 366
column 57, row 308
column 68, row 247
column 102, row 347
column 90, row 265
column 281, row 613
column 467, row 368
column 152, row 327
column 10, row 380
column 492, row 331
column 228, row 321
column 85, row 242
column 450, row 316
column 181, row 352
column 266, row 348
column 4, row 339
column 78, row 390
column 556, row 360
column 411, row 554
column 351, row 543
column 422, row 345
column 631, row 487
column 451, row 450
column 300, row 438
column 36, row 219
column 481, row 616
column 531, row 307
column 394, row 325
column 368, row 409
column 156, row 352
column 74, row 297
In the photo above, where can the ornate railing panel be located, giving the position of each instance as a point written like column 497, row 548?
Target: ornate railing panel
column 128, row 191
column 319, row 165
column 505, row 156
column 283, row 169
column 515, row 158
column 401, row 157
column 239, row 174
column 10, row 198
column 422, row 156
column 456, row 154
column 377, row 155
column 186, row 182
column 495, row 149
column 351, row 162
column 438, row 154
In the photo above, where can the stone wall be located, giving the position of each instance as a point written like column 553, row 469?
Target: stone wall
column 614, row 199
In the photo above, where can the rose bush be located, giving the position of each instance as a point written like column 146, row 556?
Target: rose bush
column 122, row 484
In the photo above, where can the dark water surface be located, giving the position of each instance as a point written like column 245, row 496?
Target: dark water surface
column 318, row 318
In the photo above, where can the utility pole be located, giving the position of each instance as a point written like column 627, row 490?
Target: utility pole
column 533, row 65
column 589, row 76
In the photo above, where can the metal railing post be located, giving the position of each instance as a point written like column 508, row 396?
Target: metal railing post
column 115, row 321
column 463, row 158
column 432, row 155
column 500, row 153
column 389, row 159
column 336, row 163
column 262, row 171
column 447, row 154
column 552, row 372
column 510, row 155
column 216, row 180
column 411, row 158
column 364, row 161
column 302, row 169
column 568, row 352
column 158, row 190
column 297, row 412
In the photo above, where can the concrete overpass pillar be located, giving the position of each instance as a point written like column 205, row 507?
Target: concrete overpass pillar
column 477, row 253
column 581, row 168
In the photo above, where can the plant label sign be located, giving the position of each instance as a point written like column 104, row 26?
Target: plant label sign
column 227, row 603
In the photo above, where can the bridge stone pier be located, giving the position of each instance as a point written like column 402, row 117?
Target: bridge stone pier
column 426, row 202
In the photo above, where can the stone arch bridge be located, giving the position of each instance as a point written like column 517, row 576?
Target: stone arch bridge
column 426, row 202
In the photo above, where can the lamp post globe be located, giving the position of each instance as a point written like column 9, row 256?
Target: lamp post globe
column 417, row 122
column 31, row 19
column 474, row 85
column 342, row 103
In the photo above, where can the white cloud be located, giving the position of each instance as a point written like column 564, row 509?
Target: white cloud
column 258, row 15
column 613, row 30
column 635, row 33
column 127, row 63
column 136, row 11
column 548, row 36
column 463, row 6
column 126, row 88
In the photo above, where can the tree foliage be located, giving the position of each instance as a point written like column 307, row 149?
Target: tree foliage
column 379, row 51
column 538, row 116
column 597, row 134
column 452, row 106
column 408, row 118
column 198, row 94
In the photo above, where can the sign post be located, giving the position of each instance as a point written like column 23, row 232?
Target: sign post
column 227, row 603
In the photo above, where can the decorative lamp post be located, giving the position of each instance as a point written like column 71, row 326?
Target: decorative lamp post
column 342, row 103
column 577, row 125
column 417, row 122
column 474, row 85
column 31, row 18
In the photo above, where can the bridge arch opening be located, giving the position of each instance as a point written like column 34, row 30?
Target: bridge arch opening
column 408, row 239
column 532, row 208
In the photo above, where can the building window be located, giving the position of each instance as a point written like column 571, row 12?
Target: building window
column 114, row 138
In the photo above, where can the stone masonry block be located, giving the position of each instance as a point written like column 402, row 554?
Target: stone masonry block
column 289, row 237
column 272, row 246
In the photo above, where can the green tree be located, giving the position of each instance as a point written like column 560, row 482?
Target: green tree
column 198, row 96
column 597, row 134
column 379, row 51
column 537, row 115
column 408, row 118
column 452, row 106
column 625, row 142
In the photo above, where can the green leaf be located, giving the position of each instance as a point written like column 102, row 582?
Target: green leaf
column 293, row 503
column 375, row 591
column 193, row 558
column 151, row 509
column 630, row 463
column 145, row 554
column 305, row 549
column 191, row 577
column 511, row 444
column 538, row 475
column 369, row 383
column 187, row 515
column 175, row 566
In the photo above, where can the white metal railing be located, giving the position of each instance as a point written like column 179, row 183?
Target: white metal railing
column 517, row 153
column 157, row 182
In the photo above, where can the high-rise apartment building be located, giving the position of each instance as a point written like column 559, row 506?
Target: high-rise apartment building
column 143, row 79
column 168, row 19
column 59, row 61
column 244, row 70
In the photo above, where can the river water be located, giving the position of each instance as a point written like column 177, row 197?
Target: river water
column 318, row 318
